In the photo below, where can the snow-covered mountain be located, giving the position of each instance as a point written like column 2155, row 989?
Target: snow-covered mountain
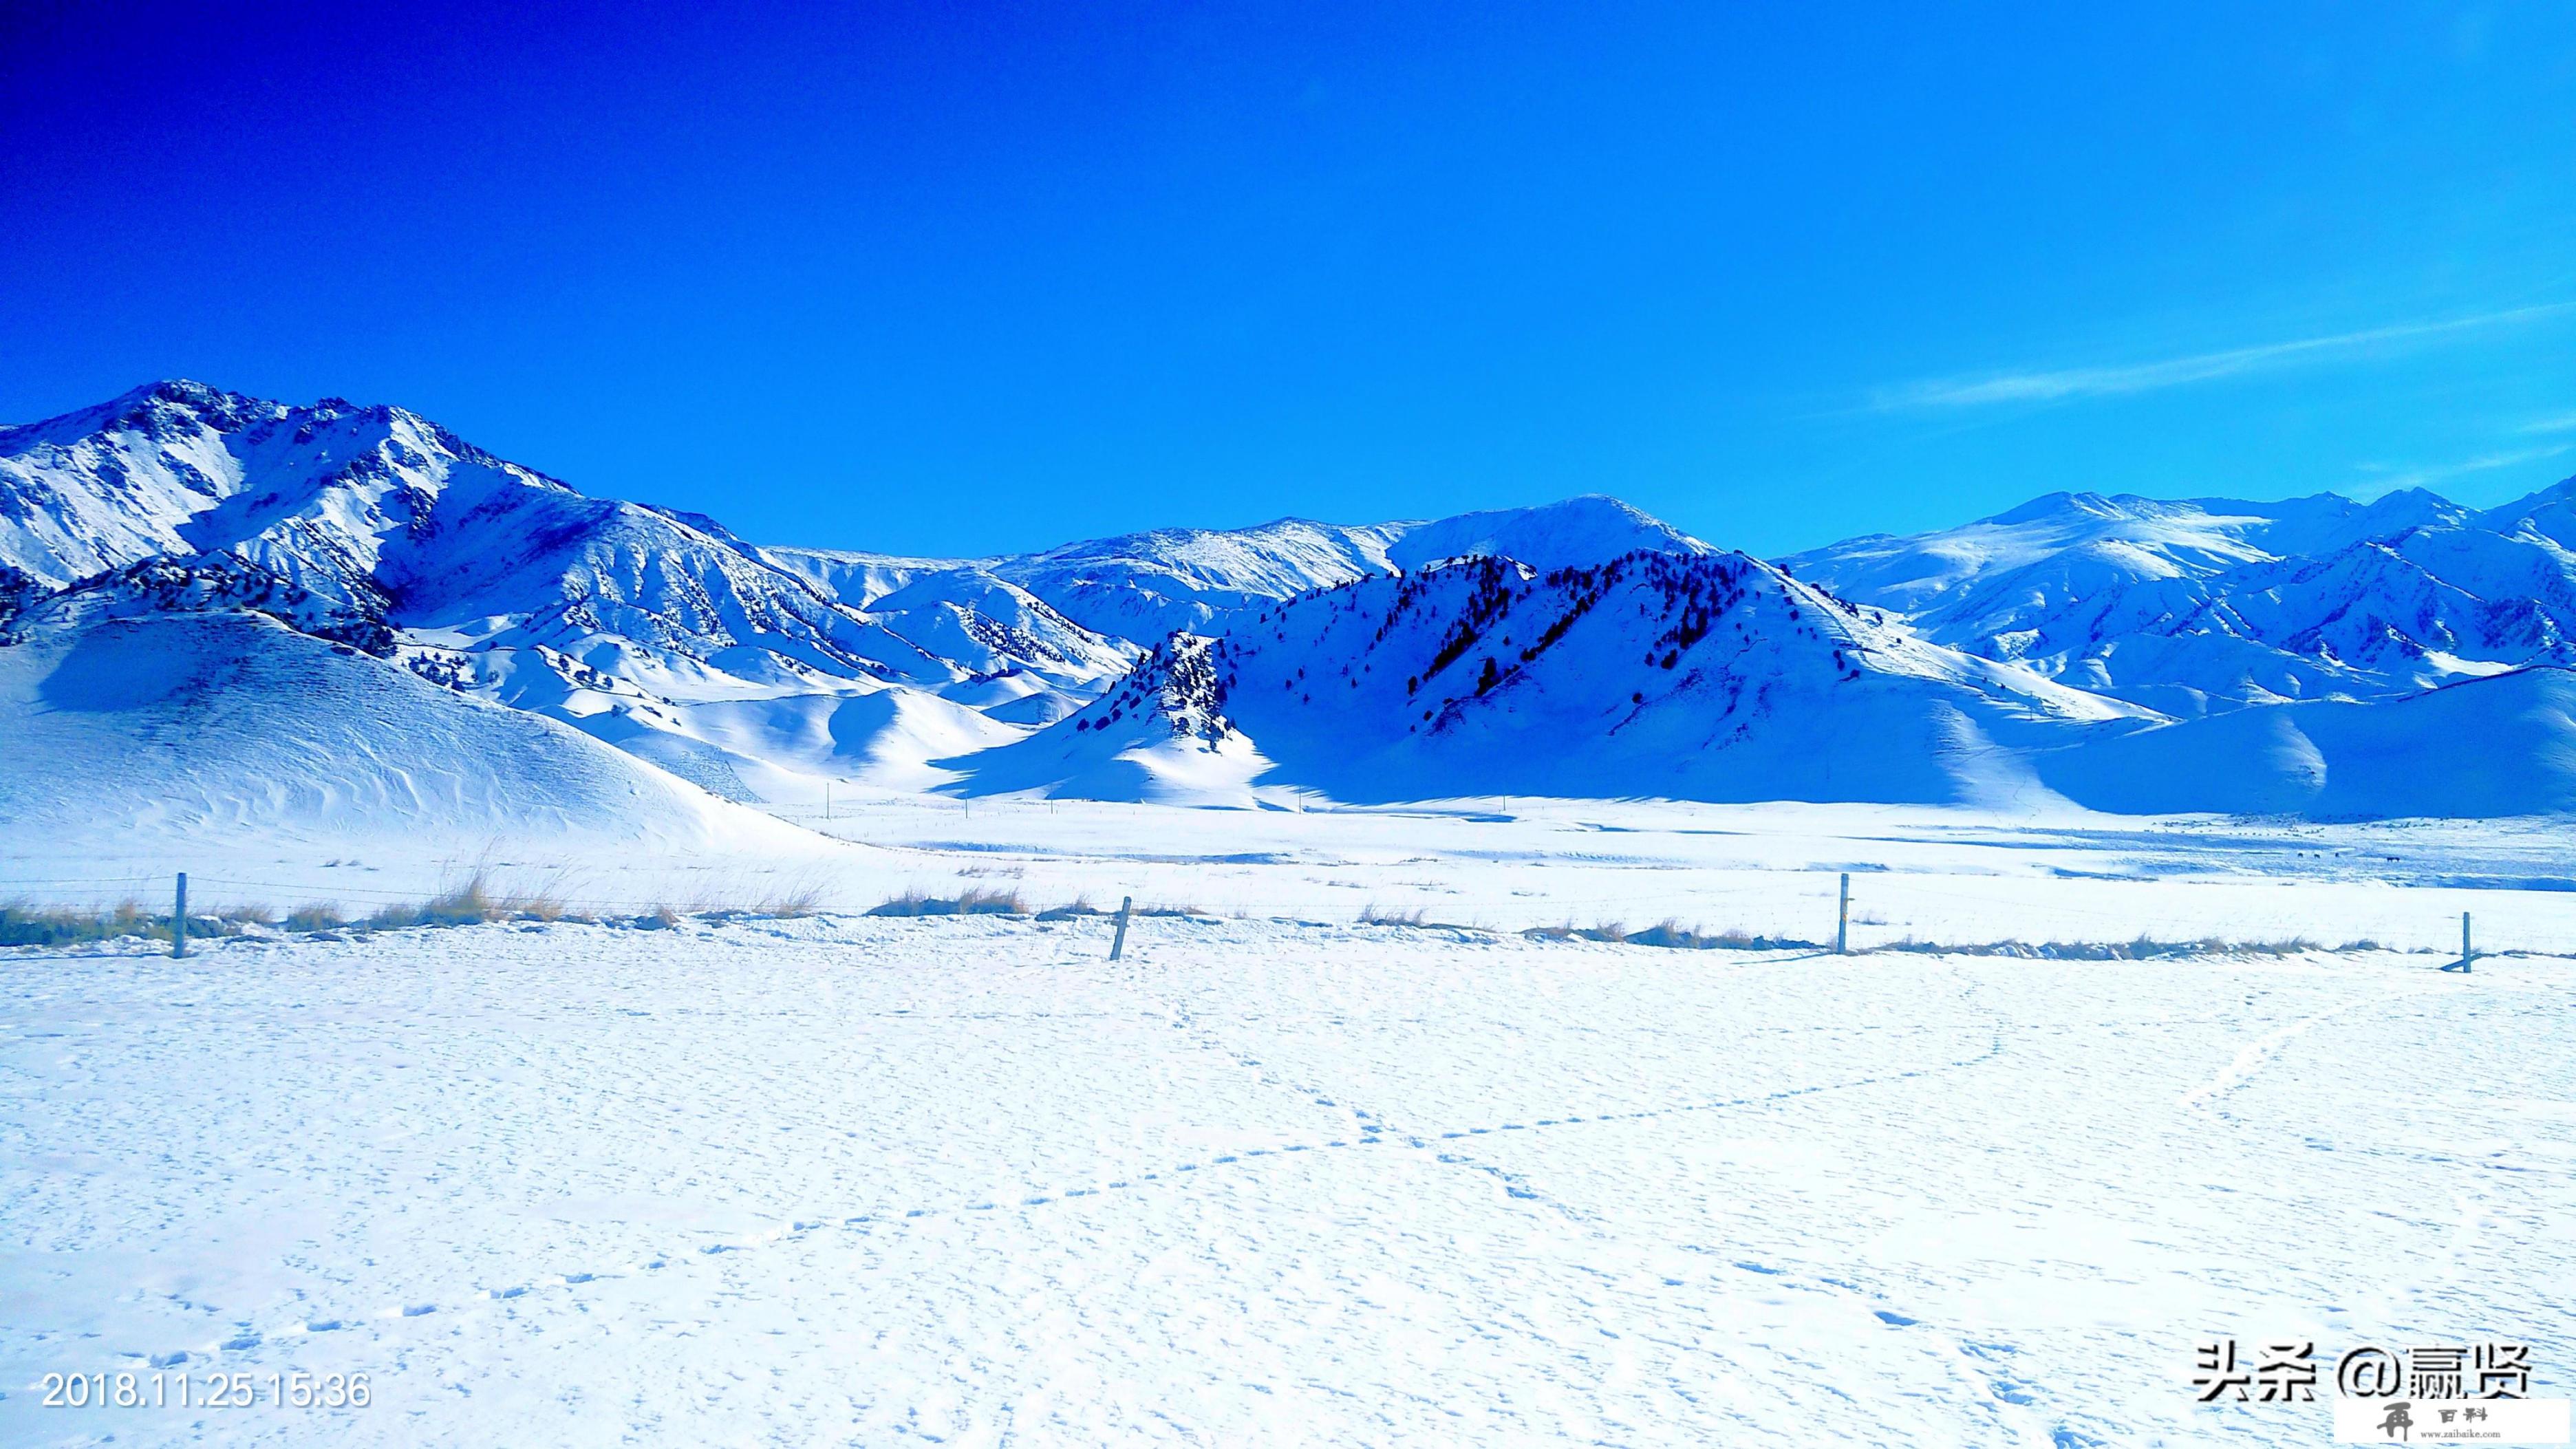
column 396, row 518
column 230, row 723
column 1140, row 587
column 2496, row 746
column 757, row 673
column 648, row 627
column 1687, row 675
column 2208, row 605
column 2302, row 655
column 1025, row 661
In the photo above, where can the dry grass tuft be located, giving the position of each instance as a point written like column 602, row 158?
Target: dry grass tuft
column 23, row 924
column 315, row 917
column 799, row 901
column 972, row 901
column 2144, row 948
column 1669, row 934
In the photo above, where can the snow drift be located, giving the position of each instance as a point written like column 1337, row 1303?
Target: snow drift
column 2478, row 749
column 197, row 723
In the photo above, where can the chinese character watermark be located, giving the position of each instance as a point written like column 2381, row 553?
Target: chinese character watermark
column 2286, row 1371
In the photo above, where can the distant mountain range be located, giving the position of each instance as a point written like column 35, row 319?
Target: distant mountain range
column 2207, row 605
column 2124, row 653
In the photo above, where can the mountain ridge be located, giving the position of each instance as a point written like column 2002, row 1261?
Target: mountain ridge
column 2229, row 603
column 1999, row 661
column 656, row 629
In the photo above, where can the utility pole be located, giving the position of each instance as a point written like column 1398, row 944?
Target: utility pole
column 1842, row 919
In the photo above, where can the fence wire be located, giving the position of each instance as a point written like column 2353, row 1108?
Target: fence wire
column 1887, row 909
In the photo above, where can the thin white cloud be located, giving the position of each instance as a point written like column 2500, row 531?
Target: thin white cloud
column 2059, row 384
column 2543, row 427
column 2390, row 477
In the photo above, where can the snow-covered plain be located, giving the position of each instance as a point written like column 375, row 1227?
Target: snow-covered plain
column 965, row 1181
column 1500, row 863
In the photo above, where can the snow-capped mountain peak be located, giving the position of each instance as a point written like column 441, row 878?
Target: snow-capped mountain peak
column 1698, row 675
column 2211, row 604
column 653, row 627
column 1575, row 647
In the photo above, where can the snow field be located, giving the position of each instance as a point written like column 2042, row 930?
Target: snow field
column 965, row 1181
column 1948, row 876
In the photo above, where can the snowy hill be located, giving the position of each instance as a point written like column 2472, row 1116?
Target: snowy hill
column 2208, row 605
column 375, row 526
column 2477, row 749
column 207, row 722
column 1021, row 655
column 1592, row 529
column 1699, row 676
column 1978, row 574
column 1140, row 587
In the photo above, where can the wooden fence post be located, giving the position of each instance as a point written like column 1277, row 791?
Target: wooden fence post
column 1842, row 919
column 2468, row 951
column 179, row 920
column 1118, row 943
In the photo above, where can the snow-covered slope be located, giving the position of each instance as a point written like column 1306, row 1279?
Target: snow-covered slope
column 755, row 672
column 2209, row 605
column 1577, row 532
column 1140, row 587
column 197, row 723
column 961, row 611
column 179, row 468
column 1147, row 585
column 1699, row 676
column 375, row 526
column 1143, row 586
column 2481, row 748
column 398, row 518
column 1985, row 576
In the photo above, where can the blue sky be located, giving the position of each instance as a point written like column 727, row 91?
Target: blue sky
column 951, row 277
